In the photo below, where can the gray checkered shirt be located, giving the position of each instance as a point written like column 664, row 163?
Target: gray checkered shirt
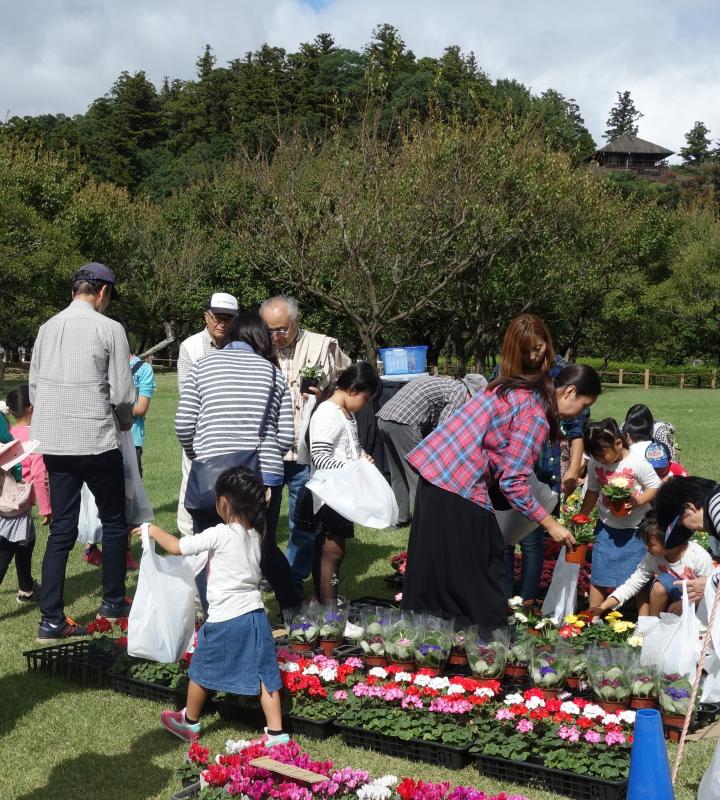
column 80, row 380
column 425, row 402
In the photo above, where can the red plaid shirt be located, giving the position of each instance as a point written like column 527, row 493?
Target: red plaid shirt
column 489, row 439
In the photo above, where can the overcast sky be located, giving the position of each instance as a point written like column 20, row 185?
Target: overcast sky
column 59, row 55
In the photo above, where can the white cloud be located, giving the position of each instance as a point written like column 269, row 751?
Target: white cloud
column 59, row 55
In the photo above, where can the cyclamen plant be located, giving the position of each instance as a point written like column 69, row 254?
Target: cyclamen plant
column 549, row 668
column 433, row 645
column 400, row 641
column 643, row 681
column 674, row 695
column 304, row 629
column 375, row 625
column 332, row 623
column 487, row 655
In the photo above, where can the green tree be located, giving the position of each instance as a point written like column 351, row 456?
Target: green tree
column 623, row 117
column 697, row 149
column 564, row 124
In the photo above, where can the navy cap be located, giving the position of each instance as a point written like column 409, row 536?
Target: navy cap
column 676, row 533
column 94, row 271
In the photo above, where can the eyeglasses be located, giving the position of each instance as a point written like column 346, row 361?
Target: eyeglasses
column 278, row 331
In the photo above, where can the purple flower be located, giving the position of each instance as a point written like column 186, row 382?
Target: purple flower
column 547, row 671
column 677, row 694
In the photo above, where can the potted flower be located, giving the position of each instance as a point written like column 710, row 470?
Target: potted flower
column 333, row 618
column 549, row 668
column 400, row 640
column 643, row 685
column 432, row 646
column 304, row 630
column 609, row 678
column 487, row 654
column 618, row 490
column 375, row 623
column 674, row 698
column 583, row 529
column 518, row 654
column 458, row 654
column 310, row 377
column 577, row 669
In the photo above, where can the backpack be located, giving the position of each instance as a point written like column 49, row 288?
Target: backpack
column 664, row 432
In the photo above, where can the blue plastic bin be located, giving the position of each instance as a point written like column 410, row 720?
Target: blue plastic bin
column 403, row 360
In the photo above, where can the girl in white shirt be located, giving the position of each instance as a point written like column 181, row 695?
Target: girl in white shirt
column 333, row 442
column 235, row 652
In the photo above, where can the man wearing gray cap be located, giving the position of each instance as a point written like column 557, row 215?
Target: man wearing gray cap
column 409, row 416
column 82, row 392
column 218, row 315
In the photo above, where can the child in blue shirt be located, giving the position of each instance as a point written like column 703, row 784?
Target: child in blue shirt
column 144, row 382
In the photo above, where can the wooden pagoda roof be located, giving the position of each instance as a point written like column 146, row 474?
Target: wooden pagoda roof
column 633, row 144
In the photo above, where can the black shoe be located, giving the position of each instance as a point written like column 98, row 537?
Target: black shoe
column 403, row 524
column 113, row 611
column 49, row 632
column 33, row 597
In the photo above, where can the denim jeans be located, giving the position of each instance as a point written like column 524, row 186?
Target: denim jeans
column 104, row 476
column 301, row 544
column 532, row 548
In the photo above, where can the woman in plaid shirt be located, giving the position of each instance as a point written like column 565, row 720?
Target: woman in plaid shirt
column 479, row 459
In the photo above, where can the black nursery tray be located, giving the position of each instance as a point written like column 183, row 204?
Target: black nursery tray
column 311, row 728
column 78, row 662
column 233, row 710
column 396, row 580
column 579, row 787
column 442, row 755
column 192, row 790
column 148, row 691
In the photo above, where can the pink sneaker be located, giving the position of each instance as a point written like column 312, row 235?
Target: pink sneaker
column 174, row 721
column 270, row 740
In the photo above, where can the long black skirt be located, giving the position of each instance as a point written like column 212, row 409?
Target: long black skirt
column 455, row 566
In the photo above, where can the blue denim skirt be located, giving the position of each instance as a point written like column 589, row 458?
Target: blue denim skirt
column 615, row 555
column 236, row 655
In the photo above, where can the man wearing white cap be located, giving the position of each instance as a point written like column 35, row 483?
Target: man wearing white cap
column 218, row 315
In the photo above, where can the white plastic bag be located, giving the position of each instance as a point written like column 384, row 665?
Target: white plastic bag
column 709, row 788
column 137, row 505
column 161, row 624
column 515, row 526
column 89, row 525
column 562, row 593
column 711, row 686
column 358, row 491
column 672, row 645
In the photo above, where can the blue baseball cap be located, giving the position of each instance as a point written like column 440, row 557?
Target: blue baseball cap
column 94, row 271
column 658, row 454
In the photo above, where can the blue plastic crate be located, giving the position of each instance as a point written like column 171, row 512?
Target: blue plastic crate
column 404, row 360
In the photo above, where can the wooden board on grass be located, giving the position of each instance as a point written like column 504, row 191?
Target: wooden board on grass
column 288, row 771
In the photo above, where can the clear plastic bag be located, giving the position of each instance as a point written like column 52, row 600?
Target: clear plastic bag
column 561, row 595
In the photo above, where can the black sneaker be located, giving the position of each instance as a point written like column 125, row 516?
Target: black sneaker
column 113, row 611
column 48, row 632
column 33, row 597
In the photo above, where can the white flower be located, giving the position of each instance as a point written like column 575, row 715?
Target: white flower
column 328, row 674
column 516, row 601
column 289, row 666
column 591, row 711
column 555, row 621
column 611, row 719
column 455, row 688
column 486, row 691
column 627, row 716
column 378, row 672
column 511, row 699
column 422, row 680
column 535, row 702
column 403, row 677
column 439, row 684
column 635, row 641
column 311, row 669
column 569, row 707
column 520, row 617
column 376, row 790
column 620, row 482
column 233, row 747
column 387, row 780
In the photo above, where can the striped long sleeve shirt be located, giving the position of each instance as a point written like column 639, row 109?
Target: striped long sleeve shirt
column 221, row 408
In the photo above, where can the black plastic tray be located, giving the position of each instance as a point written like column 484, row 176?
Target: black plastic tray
column 234, row 711
column 74, row 661
column 442, row 755
column 311, row 728
column 193, row 790
column 148, row 691
column 579, row 787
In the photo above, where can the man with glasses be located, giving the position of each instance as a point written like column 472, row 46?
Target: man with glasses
column 297, row 349
column 220, row 312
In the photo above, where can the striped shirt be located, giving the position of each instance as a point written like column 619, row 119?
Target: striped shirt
column 80, row 381
column 712, row 513
column 491, row 439
column 221, row 408
column 425, row 402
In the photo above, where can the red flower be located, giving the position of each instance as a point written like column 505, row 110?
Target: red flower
column 103, row 625
column 91, row 627
column 585, row 723
column 528, row 693
column 216, row 775
column 122, row 623
column 198, row 754
column 539, row 713
column 569, row 631
column 406, row 788
column 580, row 519
column 553, row 705
column 121, row 642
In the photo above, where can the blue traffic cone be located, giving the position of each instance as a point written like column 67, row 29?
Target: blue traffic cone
column 649, row 768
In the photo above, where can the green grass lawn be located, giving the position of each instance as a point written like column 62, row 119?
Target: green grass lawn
column 63, row 742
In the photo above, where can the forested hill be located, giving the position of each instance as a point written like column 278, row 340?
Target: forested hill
column 154, row 140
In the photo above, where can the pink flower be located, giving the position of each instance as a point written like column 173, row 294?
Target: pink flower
column 569, row 733
column 504, row 713
column 593, row 737
column 341, row 694
column 356, row 663
column 411, row 701
column 398, row 597
column 614, row 738
column 524, row 726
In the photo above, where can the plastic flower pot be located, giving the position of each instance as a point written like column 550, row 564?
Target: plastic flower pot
column 516, row 670
column 457, row 659
column 643, row 702
column 405, row 666
column 614, row 707
column 573, row 682
column 307, row 383
column 302, row 647
column 550, row 694
column 673, row 726
column 375, row 661
column 620, row 508
column 577, row 556
column 328, row 646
